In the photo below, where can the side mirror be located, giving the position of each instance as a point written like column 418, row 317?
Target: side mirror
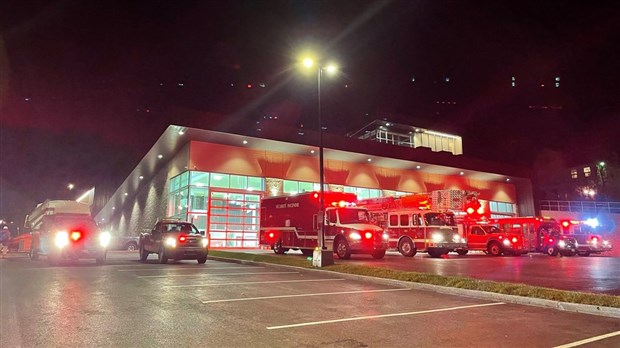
column 203, row 233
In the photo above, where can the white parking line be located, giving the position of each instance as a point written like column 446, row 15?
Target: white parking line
column 212, row 274
column 248, row 283
column 382, row 316
column 589, row 340
column 302, row 295
column 183, row 268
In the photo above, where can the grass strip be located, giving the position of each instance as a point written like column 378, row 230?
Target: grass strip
column 427, row 278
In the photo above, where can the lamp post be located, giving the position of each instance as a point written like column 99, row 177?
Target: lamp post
column 321, row 257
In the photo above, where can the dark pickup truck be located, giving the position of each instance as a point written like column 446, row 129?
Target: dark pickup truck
column 174, row 239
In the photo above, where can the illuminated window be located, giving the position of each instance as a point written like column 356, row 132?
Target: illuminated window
column 574, row 174
column 587, row 171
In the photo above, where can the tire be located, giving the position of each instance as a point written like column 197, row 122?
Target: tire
column 131, row 246
column 201, row 260
column 435, row 253
column 277, row 247
column 584, row 253
column 143, row 254
column 342, row 249
column 378, row 254
column 161, row 256
column 462, row 252
column 307, row 252
column 100, row 260
column 552, row 251
column 407, row 248
column 494, row 249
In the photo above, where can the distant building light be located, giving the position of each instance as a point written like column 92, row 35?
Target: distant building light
column 447, row 79
column 180, row 84
column 160, row 156
column 113, row 208
column 245, row 142
column 126, row 194
column 461, row 173
column 370, row 160
column 417, row 167
column 507, row 179
column 141, row 177
column 557, row 78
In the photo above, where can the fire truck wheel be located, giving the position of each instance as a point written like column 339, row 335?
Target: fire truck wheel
column 143, row 254
column 584, row 253
column 407, row 248
column 552, row 251
column 434, row 253
column 278, row 249
column 494, row 249
column 201, row 260
column 462, row 252
column 378, row 254
column 161, row 257
column 342, row 249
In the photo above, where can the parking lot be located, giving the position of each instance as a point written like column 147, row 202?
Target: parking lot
column 127, row 303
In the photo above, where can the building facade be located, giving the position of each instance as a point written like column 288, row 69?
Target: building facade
column 216, row 180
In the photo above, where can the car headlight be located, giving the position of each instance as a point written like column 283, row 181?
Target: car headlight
column 385, row 237
column 456, row 238
column 576, row 243
column 171, row 242
column 104, row 239
column 61, row 239
column 205, row 242
column 506, row 242
column 562, row 244
column 437, row 237
column 605, row 243
column 355, row 236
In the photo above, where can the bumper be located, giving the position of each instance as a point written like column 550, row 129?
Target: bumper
column 190, row 253
column 447, row 246
column 593, row 249
column 360, row 247
column 75, row 253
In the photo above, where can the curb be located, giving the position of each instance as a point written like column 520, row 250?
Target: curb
column 527, row 301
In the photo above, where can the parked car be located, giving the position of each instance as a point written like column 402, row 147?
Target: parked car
column 174, row 239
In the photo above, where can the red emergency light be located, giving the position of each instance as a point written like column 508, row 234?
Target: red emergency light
column 76, row 235
column 368, row 235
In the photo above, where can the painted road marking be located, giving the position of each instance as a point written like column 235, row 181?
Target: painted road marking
column 382, row 316
column 249, row 283
column 302, row 295
column 589, row 340
column 213, row 274
column 183, row 268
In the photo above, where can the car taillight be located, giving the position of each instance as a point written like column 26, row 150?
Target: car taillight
column 514, row 239
column 368, row 235
column 182, row 239
column 76, row 235
column 271, row 235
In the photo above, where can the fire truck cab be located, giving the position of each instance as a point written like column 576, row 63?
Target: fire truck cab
column 539, row 235
column 490, row 239
column 293, row 222
column 411, row 230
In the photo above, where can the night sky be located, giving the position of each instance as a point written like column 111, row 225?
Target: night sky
column 86, row 87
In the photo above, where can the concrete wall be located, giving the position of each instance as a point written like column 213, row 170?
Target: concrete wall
column 149, row 203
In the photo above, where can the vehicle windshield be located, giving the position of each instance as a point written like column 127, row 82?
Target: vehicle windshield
column 180, row 227
column 491, row 229
column 353, row 216
column 439, row 219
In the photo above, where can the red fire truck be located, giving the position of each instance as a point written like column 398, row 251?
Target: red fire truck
column 539, row 235
column 585, row 232
column 412, row 229
column 292, row 222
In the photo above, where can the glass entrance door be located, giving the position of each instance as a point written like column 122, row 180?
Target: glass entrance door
column 233, row 219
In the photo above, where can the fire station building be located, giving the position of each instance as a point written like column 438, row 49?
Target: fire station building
column 216, row 179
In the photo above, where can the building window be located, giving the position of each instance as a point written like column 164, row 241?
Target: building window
column 574, row 174
column 587, row 172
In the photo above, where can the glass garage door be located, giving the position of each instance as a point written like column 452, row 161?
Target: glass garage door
column 234, row 219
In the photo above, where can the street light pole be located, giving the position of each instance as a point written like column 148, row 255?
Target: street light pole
column 321, row 236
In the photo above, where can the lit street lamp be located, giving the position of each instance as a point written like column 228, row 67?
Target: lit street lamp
column 326, row 257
